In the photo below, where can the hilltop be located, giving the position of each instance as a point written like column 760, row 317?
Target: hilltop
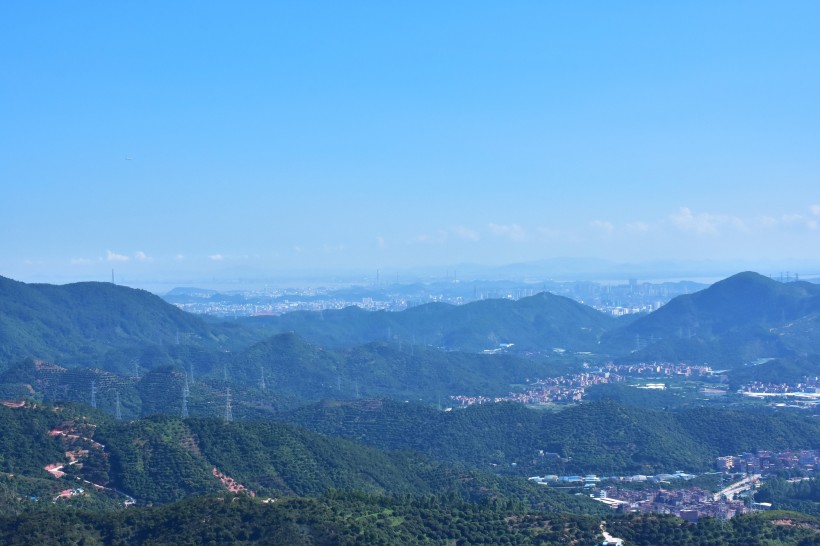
column 78, row 323
column 739, row 319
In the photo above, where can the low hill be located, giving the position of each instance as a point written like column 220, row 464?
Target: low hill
column 77, row 323
column 536, row 323
column 792, row 370
column 165, row 459
column 307, row 371
column 600, row 437
column 280, row 372
column 738, row 319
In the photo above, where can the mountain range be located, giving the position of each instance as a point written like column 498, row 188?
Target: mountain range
column 424, row 352
column 329, row 417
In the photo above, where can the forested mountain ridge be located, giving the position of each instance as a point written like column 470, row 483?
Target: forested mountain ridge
column 165, row 459
column 741, row 318
column 309, row 371
column 735, row 320
column 79, row 322
column 540, row 322
column 278, row 372
column 131, row 333
column 602, row 436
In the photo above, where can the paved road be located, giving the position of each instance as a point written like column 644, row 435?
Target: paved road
column 735, row 488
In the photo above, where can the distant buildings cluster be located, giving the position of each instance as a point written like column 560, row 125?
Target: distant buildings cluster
column 612, row 299
column 691, row 503
column 767, row 462
column 572, row 387
column 255, row 308
column 803, row 394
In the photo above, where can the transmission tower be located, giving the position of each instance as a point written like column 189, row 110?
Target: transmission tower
column 228, row 412
column 118, row 411
column 185, row 392
column 191, row 371
column 93, row 394
column 262, row 378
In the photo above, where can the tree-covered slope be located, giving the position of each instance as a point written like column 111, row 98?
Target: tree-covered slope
column 794, row 369
column 165, row 459
column 735, row 320
column 76, row 323
column 347, row 519
column 25, row 445
column 304, row 370
column 336, row 519
column 281, row 371
column 601, row 437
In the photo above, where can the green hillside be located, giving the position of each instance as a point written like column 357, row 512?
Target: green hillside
column 599, row 437
column 25, row 445
column 165, row 459
column 295, row 372
column 348, row 519
column 78, row 323
column 304, row 370
column 739, row 319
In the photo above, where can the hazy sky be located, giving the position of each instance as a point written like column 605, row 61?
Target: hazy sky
column 186, row 138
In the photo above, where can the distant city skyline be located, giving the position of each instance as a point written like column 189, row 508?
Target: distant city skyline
column 275, row 140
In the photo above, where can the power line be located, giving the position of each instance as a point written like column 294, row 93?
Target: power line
column 228, row 411
column 185, row 392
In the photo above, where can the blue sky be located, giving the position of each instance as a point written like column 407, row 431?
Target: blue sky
column 190, row 139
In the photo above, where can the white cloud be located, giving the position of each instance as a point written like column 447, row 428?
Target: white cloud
column 603, row 226
column 791, row 219
column 551, row 233
column 333, row 249
column 768, row 221
column 141, row 256
column 513, row 232
column 381, row 242
column 638, row 227
column 437, row 238
column 815, row 210
column 114, row 257
column 179, row 258
column 216, row 257
column 82, row 261
column 704, row 223
column 685, row 220
column 443, row 236
column 466, row 233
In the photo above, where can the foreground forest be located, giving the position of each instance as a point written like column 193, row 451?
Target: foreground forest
column 354, row 518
